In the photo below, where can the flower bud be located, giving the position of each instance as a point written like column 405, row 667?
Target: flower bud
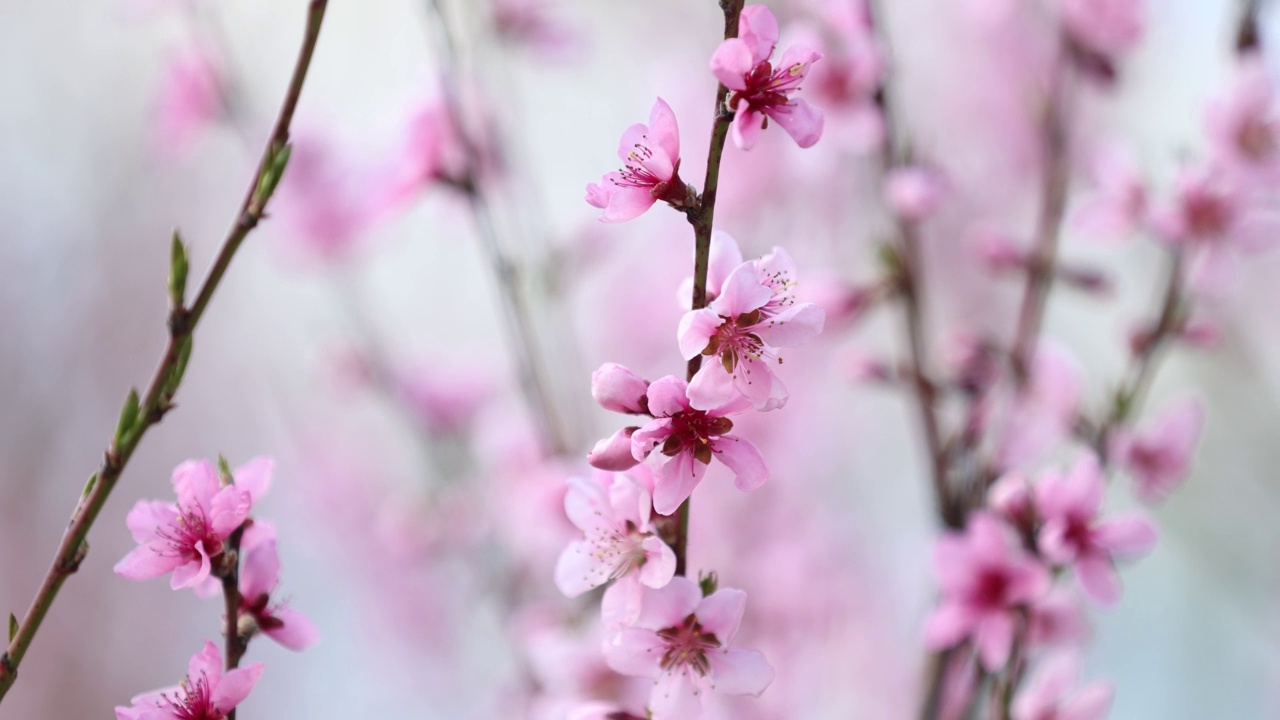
column 614, row 452
column 618, row 389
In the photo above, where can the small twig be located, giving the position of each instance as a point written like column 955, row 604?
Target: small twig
column 1249, row 33
column 168, row 377
column 236, row 644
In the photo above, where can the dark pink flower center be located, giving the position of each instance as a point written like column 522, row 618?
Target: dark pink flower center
column 1257, row 140
column 191, row 527
column 734, row 338
column 194, row 701
column 692, row 431
column 767, row 88
column 687, row 646
column 1209, row 216
column 992, row 588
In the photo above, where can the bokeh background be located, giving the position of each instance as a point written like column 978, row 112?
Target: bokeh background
column 367, row 501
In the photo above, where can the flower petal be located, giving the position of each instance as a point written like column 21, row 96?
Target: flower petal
column 235, row 686
column 295, row 631
column 1099, row 578
column 740, row 672
column 148, row 516
column 794, row 326
column 145, row 562
column 663, row 130
column 659, row 563
column 668, row 396
column 802, row 121
column 731, row 62
column 744, row 459
column 255, row 477
column 676, row 480
column 634, row 652
column 720, row 613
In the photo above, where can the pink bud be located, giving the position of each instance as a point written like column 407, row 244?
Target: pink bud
column 618, row 389
column 1010, row 497
column 614, row 452
column 914, row 193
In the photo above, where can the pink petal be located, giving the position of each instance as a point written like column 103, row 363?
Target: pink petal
column 296, row 632
column 260, row 572
column 616, row 452
column 721, row 613
column 675, row 696
column 230, row 508
column 740, row 672
column 206, row 663
column 617, row 389
column 598, row 194
column 802, row 121
column 191, row 573
column 758, row 28
column 1099, row 577
column 668, row 396
column 148, row 516
column 725, row 256
column 797, row 58
column 645, row 439
column 587, row 506
column 731, row 62
column 629, row 501
column 696, row 329
column 631, row 137
column 949, row 624
column 634, row 652
column 627, row 203
column 1130, row 535
column 578, row 570
column 712, row 386
column 255, row 477
column 621, row 604
column 746, row 127
column 994, row 638
column 668, row 606
column 663, row 130
column 1091, row 703
column 659, row 563
column 754, row 379
column 744, row 459
column 676, row 481
column 742, row 293
column 235, row 686
column 145, row 562
column 196, row 482
column 794, row 326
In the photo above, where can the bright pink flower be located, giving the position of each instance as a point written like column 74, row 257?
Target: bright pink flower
column 651, row 169
column 1051, row 694
column 759, row 92
column 1119, row 204
column 915, row 193
column 1073, row 534
column 206, row 693
column 614, row 512
column 191, row 98
column 617, row 389
column 259, row 576
column 187, row 539
column 985, row 578
column 614, row 452
column 681, row 640
column 1105, row 27
column 755, row 312
column 1243, row 126
column 1159, row 456
column 688, row 439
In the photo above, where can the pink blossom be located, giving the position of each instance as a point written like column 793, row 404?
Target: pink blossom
column 445, row 399
column 1051, row 694
column 614, row 452
column 725, row 257
column 259, row 577
column 617, row 389
column 1057, row 620
column 614, row 512
column 985, row 578
column 758, row 91
column 187, row 539
column 915, row 193
column 1045, row 412
column 1073, row 534
column 601, row 711
column 431, row 152
column 755, row 312
column 1159, row 456
column 682, row 640
column 530, row 23
column 206, row 694
column 651, row 169
column 688, row 439
column 1118, row 206
column 847, row 80
column 325, row 198
column 191, row 98
column 1243, row 127
column 1105, row 27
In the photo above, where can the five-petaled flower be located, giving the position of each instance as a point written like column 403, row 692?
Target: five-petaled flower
column 207, row 693
column 188, row 539
column 681, row 640
column 1159, row 455
column 759, row 91
column 650, row 170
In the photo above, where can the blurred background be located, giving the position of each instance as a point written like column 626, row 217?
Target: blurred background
column 359, row 339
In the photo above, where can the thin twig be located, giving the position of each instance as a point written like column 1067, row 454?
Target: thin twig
column 159, row 397
column 236, row 644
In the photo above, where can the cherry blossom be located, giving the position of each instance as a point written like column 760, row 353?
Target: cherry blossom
column 192, row 98
column 1119, row 204
column 1159, row 456
column 188, row 538
column 259, row 577
column 1073, row 534
column 688, row 439
column 986, row 578
column 614, row 513
column 682, row 640
column 207, row 693
column 651, row 169
column 1105, row 27
column 759, row 92
column 1243, row 127
column 1051, row 694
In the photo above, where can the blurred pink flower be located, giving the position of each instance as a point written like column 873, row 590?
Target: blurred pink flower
column 1105, row 27
column 1243, row 127
column 681, row 640
column 985, row 578
column 688, row 439
column 1118, row 206
column 1046, row 411
column 847, row 80
column 614, row 512
column 754, row 312
column 325, row 200
column 1073, row 534
column 187, row 539
column 531, row 24
column 206, row 693
column 1051, row 694
column 759, row 92
column 446, row 399
column 259, row 576
column 915, row 192
column 1056, row 620
column 191, row 98
column 651, row 169
column 431, row 151
column 1159, row 456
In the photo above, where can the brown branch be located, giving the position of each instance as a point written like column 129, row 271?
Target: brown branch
column 138, row 418
column 236, row 644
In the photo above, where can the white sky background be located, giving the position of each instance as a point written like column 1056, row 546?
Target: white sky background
column 85, row 215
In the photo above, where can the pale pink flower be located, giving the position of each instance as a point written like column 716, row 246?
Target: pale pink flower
column 614, row 513
column 259, row 577
column 682, row 640
column 1073, row 534
column 1105, row 27
column 1118, row 206
column 758, row 91
column 445, row 399
column 985, row 578
column 531, row 23
column 688, row 439
column 754, row 313
column 188, row 539
column 207, row 693
column 1159, row 456
column 651, row 169
column 325, row 198
column 430, row 152
column 1046, row 411
column 191, row 98
column 1051, row 694
column 1243, row 127
column 1057, row 620
column 915, row 192
column 848, row 78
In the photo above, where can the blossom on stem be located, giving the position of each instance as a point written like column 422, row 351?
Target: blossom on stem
column 1051, row 694
column 1243, row 127
column 755, row 312
column 191, row 98
column 1159, row 456
column 188, row 538
column 1118, row 206
column 617, row 389
column 259, row 577
column 681, row 640
column 614, row 513
column 1072, row 533
column 207, row 693
column 986, row 580
column 650, row 172
column 758, row 91
column 688, row 439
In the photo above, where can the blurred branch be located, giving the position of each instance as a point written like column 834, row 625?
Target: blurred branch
column 138, row 417
column 1249, row 32
column 702, row 218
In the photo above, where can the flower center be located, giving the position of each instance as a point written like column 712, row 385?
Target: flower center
column 734, row 339
column 692, row 431
column 687, row 646
column 190, row 529
column 622, row 549
column 194, row 702
column 1208, row 216
column 992, row 588
column 768, row 88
